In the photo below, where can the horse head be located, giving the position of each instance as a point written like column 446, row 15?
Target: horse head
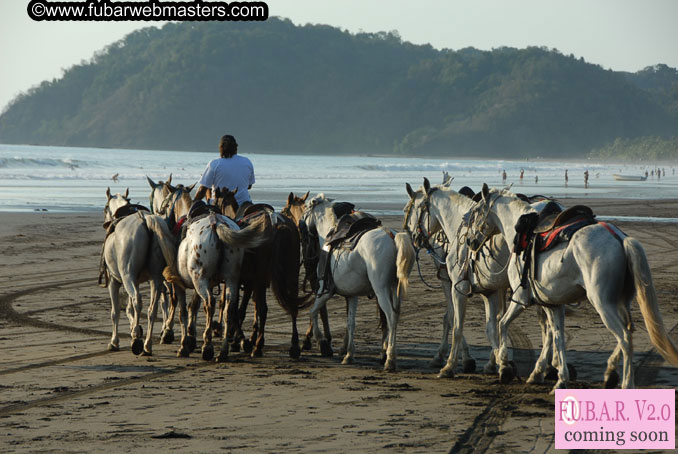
column 159, row 191
column 113, row 204
column 481, row 220
column 225, row 201
column 417, row 219
column 295, row 207
column 176, row 202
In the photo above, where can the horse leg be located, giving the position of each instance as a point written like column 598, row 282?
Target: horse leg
column 387, row 300
column 457, row 333
column 152, row 314
column 169, row 306
column 203, row 289
column 542, row 364
column 135, row 302
column 261, row 309
column 556, row 318
column 295, row 350
column 352, row 306
column 320, row 302
column 191, row 328
column 218, row 325
column 231, row 287
column 438, row 360
column 506, row 372
column 611, row 376
column 184, row 349
column 493, row 303
column 614, row 321
column 114, row 292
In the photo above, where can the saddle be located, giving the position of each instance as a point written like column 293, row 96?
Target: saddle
column 350, row 228
column 348, row 231
column 120, row 214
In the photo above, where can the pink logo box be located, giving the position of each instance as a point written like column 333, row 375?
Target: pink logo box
column 615, row 419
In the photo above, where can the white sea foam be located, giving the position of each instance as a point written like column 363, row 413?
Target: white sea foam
column 76, row 178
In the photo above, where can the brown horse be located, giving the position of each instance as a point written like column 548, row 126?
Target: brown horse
column 275, row 263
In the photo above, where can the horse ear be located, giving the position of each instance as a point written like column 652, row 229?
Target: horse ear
column 290, row 198
column 108, row 193
column 410, row 192
column 235, row 191
column 303, row 199
column 427, row 185
column 126, row 193
column 447, row 181
column 486, row 191
column 151, row 183
column 190, row 188
column 169, row 180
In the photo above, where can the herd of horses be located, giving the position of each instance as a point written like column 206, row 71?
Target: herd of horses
column 477, row 242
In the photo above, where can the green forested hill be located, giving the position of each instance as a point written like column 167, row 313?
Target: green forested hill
column 314, row 88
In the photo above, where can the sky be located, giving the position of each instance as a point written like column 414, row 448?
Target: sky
column 624, row 35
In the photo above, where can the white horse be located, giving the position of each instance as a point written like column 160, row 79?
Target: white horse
column 379, row 264
column 431, row 209
column 599, row 263
column 211, row 253
column 137, row 251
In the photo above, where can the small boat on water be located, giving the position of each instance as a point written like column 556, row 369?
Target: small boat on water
column 620, row 177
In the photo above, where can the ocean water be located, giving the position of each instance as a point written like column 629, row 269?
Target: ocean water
column 75, row 179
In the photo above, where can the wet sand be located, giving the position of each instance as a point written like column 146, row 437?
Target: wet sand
column 61, row 391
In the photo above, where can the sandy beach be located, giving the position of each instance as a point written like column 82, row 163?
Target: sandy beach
column 61, row 391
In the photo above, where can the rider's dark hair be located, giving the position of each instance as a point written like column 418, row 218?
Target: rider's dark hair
column 228, row 146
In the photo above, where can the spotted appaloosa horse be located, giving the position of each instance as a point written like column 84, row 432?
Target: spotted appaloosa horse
column 137, row 250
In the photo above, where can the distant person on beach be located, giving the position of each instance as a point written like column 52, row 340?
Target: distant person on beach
column 522, row 173
column 229, row 171
column 586, row 178
column 536, row 179
column 503, row 176
column 566, row 177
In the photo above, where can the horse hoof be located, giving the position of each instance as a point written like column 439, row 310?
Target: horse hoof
column 191, row 343
column 446, row 372
column 137, row 346
column 506, row 375
column 183, row 353
column 113, row 348
column 572, row 371
column 390, row 366
column 307, row 344
column 551, row 373
column 257, row 353
column 147, row 353
column 347, row 360
column 612, row 380
column 326, row 349
column 208, row 352
column 234, row 347
column 167, row 337
column 246, row 346
column 295, row 352
column 470, row 366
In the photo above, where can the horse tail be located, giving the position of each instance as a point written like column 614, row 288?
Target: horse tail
column 252, row 236
column 647, row 299
column 158, row 227
column 404, row 262
column 285, row 263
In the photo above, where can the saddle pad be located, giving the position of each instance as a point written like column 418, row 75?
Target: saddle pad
column 547, row 240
